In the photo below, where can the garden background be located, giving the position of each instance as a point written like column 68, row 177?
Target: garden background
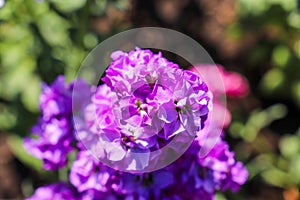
column 258, row 38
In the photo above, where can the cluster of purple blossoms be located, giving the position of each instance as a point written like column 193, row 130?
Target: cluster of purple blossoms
column 53, row 135
column 145, row 103
column 56, row 191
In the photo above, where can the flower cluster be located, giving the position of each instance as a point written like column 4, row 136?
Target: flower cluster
column 56, row 191
column 190, row 177
column 147, row 101
column 145, row 104
column 53, row 135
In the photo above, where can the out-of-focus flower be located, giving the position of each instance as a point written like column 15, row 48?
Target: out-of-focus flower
column 227, row 173
column 203, row 176
column 57, row 191
column 236, row 85
column 231, row 83
column 53, row 135
column 143, row 186
column 190, row 177
column 52, row 144
column 56, row 100
column 93, row 180
column 222, row 83
column 88, row 174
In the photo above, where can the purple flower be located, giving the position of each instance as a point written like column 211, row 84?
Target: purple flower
column 148, row 102
column 124, row 65
column 57, row 191
column 94, row 195
column 52, row 144
column 201, row 178
column 237, row 176
column 227, row 173
column 88, row 174
column 93, row 180
column 192, row 180
column 142, row 186
column 53, row 135
column 56, row 100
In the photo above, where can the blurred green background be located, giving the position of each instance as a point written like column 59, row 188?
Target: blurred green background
column 257, row 38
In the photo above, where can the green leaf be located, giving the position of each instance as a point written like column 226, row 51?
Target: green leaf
column 30, row 96
column 54, row 29
column 289, row 146
column 7, row 117
column 16, row 145
column 276, row 177
column 295, row 169
column 281, row 55
column 272, row 80
column 69, row 5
